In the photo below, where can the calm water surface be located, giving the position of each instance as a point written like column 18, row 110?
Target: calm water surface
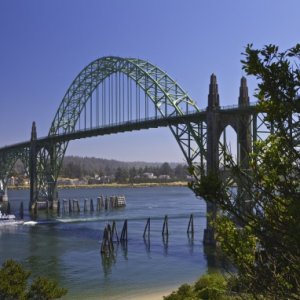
column 67, row 247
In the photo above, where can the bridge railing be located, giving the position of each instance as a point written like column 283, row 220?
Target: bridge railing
column 237, row 106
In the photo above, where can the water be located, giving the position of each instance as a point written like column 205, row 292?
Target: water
column 67, row 247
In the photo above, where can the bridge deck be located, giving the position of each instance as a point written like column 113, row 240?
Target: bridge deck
column 154, row 122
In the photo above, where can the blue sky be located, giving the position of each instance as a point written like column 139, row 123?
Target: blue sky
column 44, row 44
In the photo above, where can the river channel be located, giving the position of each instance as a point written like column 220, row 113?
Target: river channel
column 67, row 247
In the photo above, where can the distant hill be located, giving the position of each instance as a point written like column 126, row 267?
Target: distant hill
column 101, row 163
column 79, row 166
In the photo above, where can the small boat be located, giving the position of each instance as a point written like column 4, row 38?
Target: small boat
column 9, row 220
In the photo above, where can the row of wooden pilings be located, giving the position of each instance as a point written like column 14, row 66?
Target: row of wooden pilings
column 110, row 233
column 102, row 202
column 73, row 205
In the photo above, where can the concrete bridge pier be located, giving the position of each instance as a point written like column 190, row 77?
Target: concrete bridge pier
column 52, row 182
column 215, row 124
column 32, row 168
column 212, row 122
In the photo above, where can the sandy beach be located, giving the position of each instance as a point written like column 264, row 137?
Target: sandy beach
column 152, row 295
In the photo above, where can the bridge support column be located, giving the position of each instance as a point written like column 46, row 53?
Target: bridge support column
column 32, row 168
column 212, row 152
column 52, row 185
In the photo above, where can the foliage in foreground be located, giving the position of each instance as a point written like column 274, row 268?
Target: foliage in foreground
column 209, row 287
column 260, row 225
column 14, row 285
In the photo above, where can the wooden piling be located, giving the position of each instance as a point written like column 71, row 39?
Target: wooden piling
column 107, row 246
column 106, row 203
column 91, row 205
column 98, row 204
column 70, row 206
column 35, row 209
column 165, row 239
column 8, row 208
column 21, row 210
column 58, row 207
column 112, row 202
column 114, row 232
column 124, row 234
column 85, row 205
column 76, row 207
column 165, row 230
column 65, row 205
column 190, row 228
column 110, row 237
column 147, row 227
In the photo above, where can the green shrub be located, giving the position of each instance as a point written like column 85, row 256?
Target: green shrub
column 14, row 286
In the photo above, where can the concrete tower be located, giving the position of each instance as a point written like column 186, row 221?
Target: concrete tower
column 213, row 96
column 243, row 98
column 213, row 125
column 32, row 166
column 212, row 121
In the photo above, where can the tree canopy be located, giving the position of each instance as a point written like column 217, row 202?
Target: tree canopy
column 258, row 227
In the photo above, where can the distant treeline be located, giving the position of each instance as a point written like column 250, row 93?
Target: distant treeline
column 91, row 167
column 80, row 167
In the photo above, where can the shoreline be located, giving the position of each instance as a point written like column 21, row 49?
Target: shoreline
column 154, row 295
column 143, row 294
column 112, row 185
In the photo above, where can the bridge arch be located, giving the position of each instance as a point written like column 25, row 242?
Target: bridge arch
column 169, row 99
column 160, row 88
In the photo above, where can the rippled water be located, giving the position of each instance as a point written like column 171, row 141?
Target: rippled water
column 67, row 247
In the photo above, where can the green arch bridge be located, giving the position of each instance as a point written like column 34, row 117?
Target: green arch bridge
column 115, row 94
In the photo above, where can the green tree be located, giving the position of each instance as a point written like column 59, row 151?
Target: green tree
column 13, row 281
column 45, row 289
column 211, row 286
column 132, row 173
column 259, row 227
column 208, row 287
column 181, row 172
column 165, row 169
column 14, row 284
column 121, row 175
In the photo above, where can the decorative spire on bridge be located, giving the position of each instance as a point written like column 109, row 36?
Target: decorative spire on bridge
column 243, row 98
column 33, row 132
column 32, row 167
column 213, row 96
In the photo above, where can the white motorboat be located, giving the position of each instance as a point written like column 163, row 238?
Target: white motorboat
column 9, row 220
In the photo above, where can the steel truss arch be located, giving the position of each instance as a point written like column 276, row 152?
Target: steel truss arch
column 8, row 160
column 167, row 96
